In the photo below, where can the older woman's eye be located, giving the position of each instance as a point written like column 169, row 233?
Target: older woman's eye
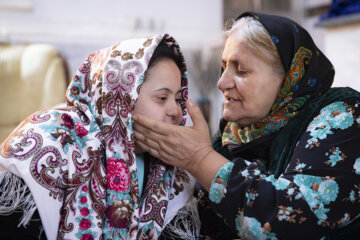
column 241, row 71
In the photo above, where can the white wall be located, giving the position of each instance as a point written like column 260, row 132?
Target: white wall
column 339, row 43
column 79, row 27
column 342, row 46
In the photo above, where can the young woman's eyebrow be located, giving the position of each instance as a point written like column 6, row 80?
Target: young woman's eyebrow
column 167, row 90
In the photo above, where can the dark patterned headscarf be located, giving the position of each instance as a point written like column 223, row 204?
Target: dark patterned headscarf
column 308, row 74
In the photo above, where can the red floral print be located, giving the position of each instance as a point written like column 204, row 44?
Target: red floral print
column 118, row 175
column 83, row 200
column 84, row 211
column 80, row 130
column 87, row 236
column 67, row 121
column 75, row 90
column 85, row 223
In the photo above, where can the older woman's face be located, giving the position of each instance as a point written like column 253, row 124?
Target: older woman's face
column 249, row 83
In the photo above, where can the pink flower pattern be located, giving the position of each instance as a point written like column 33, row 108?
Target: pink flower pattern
column 84, row 211
column 118, row 175
column 83, row 200
column 80, row 130
column 87, row 236
column 85, row 223
column 67, row 121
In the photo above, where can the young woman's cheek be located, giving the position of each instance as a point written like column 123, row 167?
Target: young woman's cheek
column 158, row 112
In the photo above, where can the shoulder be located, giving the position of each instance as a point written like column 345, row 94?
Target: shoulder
column 329, row 146
column 338, row 114
column 339, row 118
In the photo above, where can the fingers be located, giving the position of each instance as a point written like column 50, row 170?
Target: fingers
column 146, row 144
column 144, row 139
column 147, row 136
column 155, row 148
column 195, row 114
column 151, row 125
column 142, row 132
column 146, row 148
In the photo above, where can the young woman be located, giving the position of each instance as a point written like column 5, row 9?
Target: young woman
column 79, row 162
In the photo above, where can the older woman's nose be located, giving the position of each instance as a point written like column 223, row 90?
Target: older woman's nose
column 225, row 81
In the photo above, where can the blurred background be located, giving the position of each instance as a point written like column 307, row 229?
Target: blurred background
column 43, row 42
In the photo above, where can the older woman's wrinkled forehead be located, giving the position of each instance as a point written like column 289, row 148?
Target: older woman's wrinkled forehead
column 301, row 58
column 258, row 40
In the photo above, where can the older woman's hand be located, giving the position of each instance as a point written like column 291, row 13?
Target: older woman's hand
column 185, row 147
column 180, row 146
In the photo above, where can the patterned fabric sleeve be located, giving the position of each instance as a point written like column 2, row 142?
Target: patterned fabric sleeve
column 317, row 194
column 217, row 189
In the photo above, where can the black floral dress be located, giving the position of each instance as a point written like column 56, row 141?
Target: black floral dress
column 316, row 196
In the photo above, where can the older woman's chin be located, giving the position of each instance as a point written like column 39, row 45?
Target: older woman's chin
column 242, row 121
column 229, row 116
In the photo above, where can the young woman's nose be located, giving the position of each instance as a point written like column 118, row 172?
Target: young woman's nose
column 174, row 110
column 226, row 81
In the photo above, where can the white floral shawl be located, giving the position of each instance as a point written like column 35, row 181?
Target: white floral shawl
column 79, row 161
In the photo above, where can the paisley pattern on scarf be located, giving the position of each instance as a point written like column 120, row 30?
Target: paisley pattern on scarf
column 284, row 108
column 79, row 161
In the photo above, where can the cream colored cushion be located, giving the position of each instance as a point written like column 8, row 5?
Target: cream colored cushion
column 32, row 78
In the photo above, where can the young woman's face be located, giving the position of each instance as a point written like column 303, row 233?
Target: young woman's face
column 249, row 84
column 160, row 94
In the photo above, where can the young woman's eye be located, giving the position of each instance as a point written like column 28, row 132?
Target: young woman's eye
column 162, row 98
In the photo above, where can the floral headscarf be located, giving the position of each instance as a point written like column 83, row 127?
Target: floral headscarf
column 308, row 74
column 79, row 161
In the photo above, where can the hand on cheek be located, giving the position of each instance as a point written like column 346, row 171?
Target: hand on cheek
column 185, row 147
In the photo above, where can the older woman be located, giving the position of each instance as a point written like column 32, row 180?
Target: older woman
column 286, row 164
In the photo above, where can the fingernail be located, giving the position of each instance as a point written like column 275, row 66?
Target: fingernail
column 191, row 103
